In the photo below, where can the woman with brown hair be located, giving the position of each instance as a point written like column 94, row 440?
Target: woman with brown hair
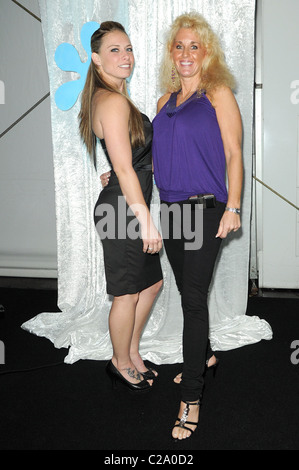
column 132, row 264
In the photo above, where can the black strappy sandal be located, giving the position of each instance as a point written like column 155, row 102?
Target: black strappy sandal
column 183, row 420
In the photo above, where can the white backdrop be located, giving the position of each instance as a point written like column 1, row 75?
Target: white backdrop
column 82, row 325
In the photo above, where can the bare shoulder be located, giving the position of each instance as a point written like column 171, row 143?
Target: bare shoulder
column 228, row 112
column 104, row 100
column 162, row 101
column 222, row 95
column 109, row 110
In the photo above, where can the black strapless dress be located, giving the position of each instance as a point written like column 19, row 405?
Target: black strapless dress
column 128, row 270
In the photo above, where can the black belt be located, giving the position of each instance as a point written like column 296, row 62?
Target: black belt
column 207, row 200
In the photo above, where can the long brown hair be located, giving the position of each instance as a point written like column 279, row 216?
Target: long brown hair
column 94, row 81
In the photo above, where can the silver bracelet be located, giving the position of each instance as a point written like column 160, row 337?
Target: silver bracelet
column 233, row 209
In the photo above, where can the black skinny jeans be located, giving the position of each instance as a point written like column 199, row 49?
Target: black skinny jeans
column 193, row 270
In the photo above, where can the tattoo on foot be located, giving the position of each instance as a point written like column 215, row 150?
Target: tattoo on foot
column 133, row 373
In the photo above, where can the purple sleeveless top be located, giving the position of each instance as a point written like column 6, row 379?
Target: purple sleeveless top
column 187, row 149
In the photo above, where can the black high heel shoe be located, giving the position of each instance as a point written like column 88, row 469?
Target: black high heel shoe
column 149, row 374
column 184, row 419
column 116, row 376
column 212, row 368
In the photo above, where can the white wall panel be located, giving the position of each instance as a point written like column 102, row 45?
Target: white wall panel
column 23, row 64
column 27, row 207
column 32, row 6
column 277, row 219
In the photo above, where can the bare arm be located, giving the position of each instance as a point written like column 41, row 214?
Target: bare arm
column 110, row 119
column 229, row 119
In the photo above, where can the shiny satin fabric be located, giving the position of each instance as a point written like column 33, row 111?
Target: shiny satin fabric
column 82, row 324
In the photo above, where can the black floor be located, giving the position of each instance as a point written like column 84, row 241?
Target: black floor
column 251, row 404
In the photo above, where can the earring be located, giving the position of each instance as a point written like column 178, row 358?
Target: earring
column 173, row 74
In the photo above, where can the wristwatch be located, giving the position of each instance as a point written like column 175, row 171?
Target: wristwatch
column 233, row 209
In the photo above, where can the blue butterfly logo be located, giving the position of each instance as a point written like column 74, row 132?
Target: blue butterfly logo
column 68, row 59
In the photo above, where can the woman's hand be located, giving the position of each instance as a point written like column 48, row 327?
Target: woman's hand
column 105, row 178
column 152, row 240
column 230, row 222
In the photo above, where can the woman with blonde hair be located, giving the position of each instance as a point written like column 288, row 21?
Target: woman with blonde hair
column 197, row 139
column 131, row 259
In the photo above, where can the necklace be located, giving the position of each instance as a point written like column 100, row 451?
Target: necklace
column 182, row 100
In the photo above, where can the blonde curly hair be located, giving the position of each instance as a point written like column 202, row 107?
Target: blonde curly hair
column 215, row 71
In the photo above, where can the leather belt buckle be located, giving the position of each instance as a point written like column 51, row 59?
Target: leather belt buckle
column 208, row 201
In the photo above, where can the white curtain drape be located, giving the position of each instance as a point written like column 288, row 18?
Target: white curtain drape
column 82, row 324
